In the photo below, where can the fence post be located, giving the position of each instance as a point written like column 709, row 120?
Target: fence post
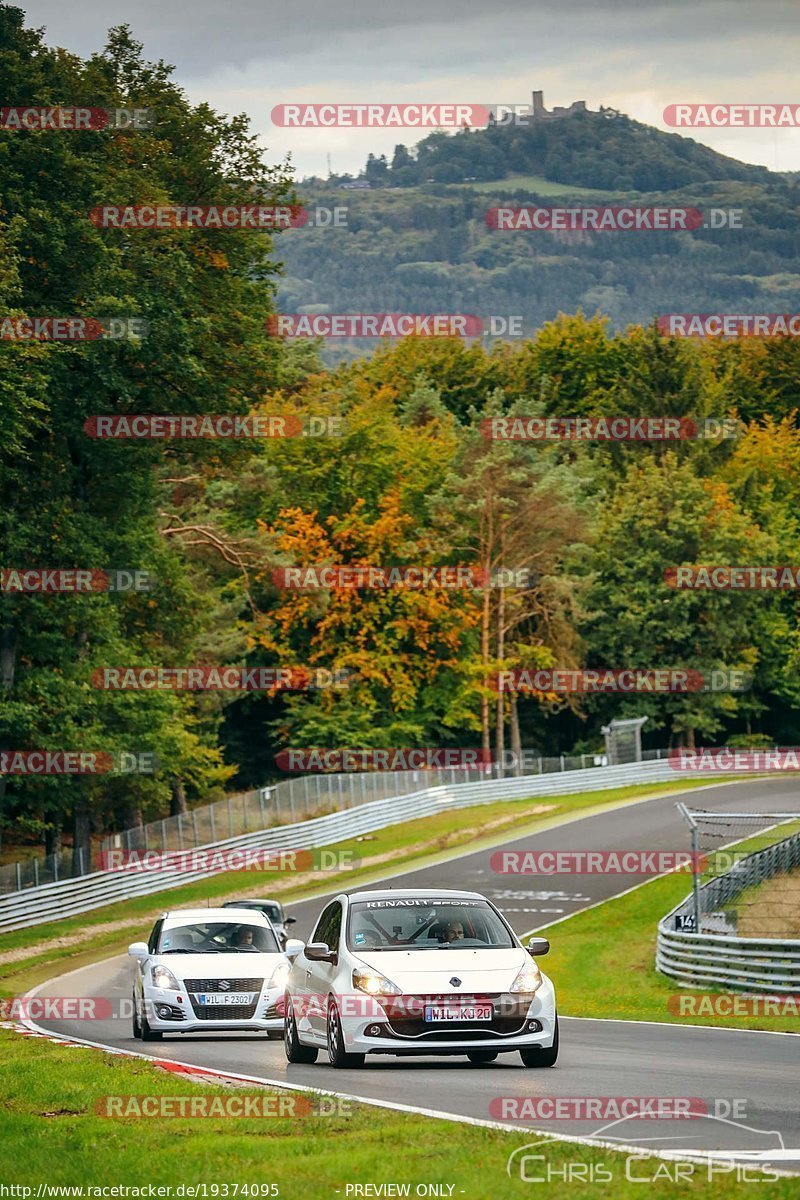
column 19, row 877
column 695, row 880
column 36, row 872
column 230, row 818
column 540, row 765
column 55, row 866
column 180, row 830
column 163, row 836
column 562, row 762
column 260, row 808
column 194, row 827
column 211, row 808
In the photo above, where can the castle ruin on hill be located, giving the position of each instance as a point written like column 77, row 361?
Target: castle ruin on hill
column 540, row 113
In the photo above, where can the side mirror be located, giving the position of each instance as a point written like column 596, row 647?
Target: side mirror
column 320, row 952
column 537, row 946
column 290, row 920
column 293, row 947
column 138, row 950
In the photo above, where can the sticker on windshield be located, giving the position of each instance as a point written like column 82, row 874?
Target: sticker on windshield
column 359, row 938
column 401, row 903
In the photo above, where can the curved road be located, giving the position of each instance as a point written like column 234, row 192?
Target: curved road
column 598, row 1058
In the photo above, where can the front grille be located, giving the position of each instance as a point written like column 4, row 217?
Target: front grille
column 224, row 1012
column 407, row 1017
column 212, row 985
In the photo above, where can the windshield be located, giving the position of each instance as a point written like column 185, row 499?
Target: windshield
column 273, row 911
column 210, row 937
column 425, row 924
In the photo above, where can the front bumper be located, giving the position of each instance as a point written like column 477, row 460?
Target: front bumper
column 179, row 1012
column 391, row 1027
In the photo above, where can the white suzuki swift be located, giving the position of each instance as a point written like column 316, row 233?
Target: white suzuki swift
column 210, row 969
column 418, row 972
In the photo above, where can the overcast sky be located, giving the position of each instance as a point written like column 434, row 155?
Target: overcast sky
column 635, row 55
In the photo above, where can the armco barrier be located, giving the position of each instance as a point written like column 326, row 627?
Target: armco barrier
column 69, row 897
column 726, row 960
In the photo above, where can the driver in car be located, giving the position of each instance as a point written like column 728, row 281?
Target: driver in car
column 243, row 936
column 453, row 931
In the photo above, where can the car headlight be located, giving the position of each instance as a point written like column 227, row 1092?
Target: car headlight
column 163, row 978
column 375, row 984
column 529, row 979
column 280, row 974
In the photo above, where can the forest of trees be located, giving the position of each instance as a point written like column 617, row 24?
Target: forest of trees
column 409, row 480
column 431, row 250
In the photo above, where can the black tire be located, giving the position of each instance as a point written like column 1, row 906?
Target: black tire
column 137, row 1024
column 539, row 1056
column 479, row 1057
column 148, row 1034
column 336, row 1051
column 296, row 1052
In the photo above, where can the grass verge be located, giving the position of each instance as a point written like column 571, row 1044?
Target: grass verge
column 603, row 961
column 28, row 955
column 53, row 1135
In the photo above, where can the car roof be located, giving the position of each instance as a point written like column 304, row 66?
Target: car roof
column 205, row 914
column 410, row 893
column 250, row 903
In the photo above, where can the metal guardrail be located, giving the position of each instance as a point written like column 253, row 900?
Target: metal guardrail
column 54, row 901
column 279, row 803
column 725, row 959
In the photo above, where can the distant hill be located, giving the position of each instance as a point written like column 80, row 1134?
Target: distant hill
column 414, row 246
column 603, row 149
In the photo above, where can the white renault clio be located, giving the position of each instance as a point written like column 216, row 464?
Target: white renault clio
column 418, row 972
column 210, row 969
